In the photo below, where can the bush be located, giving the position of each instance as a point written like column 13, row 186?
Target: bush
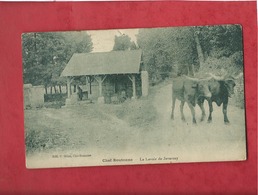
column 237, row 59
column 218, row 66
column 238, row 98
column 35, row 140
column 43, row 139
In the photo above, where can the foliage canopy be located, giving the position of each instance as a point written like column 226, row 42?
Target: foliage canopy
column 185, row 50
column 46, row 54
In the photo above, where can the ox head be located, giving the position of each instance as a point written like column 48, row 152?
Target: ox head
column 230, row 84
column 228, row 81
column 200, row 87
column 203, row 88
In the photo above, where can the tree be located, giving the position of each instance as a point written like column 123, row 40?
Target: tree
column 178, row 51
column 220, row 41
column 39, row 52
column 168, row 51
column 123, row 42
column 221, row 47
column 46, row 54
column 78, row 42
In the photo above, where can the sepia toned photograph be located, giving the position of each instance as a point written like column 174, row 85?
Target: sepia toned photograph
column 134, row 96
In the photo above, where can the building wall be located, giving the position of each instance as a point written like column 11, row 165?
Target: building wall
column 145, row 83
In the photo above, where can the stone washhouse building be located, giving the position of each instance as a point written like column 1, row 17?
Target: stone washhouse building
column 106, row 76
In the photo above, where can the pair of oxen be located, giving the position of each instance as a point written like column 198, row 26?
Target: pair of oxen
column 195, row 91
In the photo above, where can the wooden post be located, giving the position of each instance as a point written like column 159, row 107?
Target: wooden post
column 134, row 86
column 68, row 87
column 88, row 81
column 100, row 80
column 100, row 89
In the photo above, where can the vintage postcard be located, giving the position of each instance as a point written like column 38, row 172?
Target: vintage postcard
column 134, row 96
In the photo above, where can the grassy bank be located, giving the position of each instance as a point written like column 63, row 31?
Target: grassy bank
column 84, row 124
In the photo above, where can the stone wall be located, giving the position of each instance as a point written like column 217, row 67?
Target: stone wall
column 33, row 96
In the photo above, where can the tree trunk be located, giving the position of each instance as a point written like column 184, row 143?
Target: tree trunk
column 55, row 89
column 74, row 88
column 199, row 50
column 45, row 89
column 51, row 90
column 60, row 88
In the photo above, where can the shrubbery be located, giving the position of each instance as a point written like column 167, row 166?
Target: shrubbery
column 43, row 140
column 218, row 66
column 238, row 97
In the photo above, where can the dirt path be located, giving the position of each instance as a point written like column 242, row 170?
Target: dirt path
column 94, row 129
column 163, row 102
column 204, row 139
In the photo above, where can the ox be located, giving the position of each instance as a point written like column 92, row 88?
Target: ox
column 221, row 89
column 189, row 90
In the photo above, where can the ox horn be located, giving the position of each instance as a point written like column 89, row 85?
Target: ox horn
column 222, row 77
column 190, row 78
column 217, row 77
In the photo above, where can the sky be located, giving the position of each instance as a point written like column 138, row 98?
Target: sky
column 103, row 40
